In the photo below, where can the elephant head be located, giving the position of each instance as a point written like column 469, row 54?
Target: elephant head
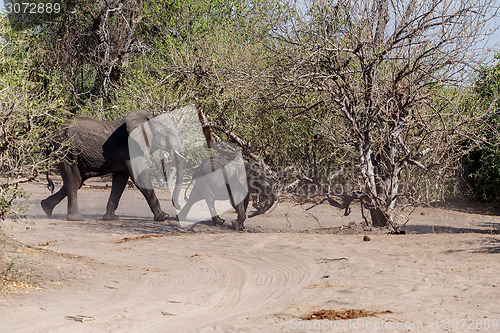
column 148, row 134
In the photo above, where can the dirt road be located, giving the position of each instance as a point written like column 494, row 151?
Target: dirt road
column 137, row 275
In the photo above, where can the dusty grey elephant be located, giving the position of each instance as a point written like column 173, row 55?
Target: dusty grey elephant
column 211, row 188
column 97, row 148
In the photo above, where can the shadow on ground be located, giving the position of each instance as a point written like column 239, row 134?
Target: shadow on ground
column 141, row 225
column 491, row 245
column 486, row 228
column 470, row 206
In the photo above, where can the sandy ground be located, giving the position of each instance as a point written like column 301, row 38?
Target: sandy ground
column 137, row 275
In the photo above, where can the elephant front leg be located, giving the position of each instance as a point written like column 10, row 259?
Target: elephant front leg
column 242, row 216
column 119, row 183
column 143, row 183
column 246, row 201
column 154, row 203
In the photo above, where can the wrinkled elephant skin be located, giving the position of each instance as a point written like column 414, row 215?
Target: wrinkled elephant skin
column 94, row 148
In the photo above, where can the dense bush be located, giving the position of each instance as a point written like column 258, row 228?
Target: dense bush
column 32, row 102
column 482, row 165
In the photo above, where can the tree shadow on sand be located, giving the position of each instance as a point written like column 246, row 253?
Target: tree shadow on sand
column 470, row 207
column 490, row 245
column 485, row 228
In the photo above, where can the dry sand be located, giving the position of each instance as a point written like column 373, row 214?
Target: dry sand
column 137, row 275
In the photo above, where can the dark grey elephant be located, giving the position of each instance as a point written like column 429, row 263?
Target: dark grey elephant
column 210, row 186
column 96, row 148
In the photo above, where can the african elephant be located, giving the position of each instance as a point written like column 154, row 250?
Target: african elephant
column 96, row 148
column 212, row 185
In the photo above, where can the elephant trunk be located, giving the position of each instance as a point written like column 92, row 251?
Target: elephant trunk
column 266, row 195
column 271, row 199
column 179, row 165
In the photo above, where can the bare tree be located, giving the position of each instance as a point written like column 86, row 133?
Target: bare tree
column 94, row 40
column 394, row 71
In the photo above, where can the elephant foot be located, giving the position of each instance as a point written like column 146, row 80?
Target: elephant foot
column 75, row 217
column 46, row 207
column 110, row 217
column 161, row 217
column 217, row 220
column 238, row 226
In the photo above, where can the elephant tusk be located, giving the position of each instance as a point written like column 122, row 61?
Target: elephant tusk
column 179, row 155
column 146, row 139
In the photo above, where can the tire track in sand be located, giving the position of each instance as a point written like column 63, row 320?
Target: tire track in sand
column 209, row 283
column 246, row 281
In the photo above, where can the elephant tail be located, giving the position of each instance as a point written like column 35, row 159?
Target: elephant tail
column 50, row 183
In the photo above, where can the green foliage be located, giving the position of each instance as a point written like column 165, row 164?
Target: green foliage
column 482, row 165
column 9, row 202
column 207, row 53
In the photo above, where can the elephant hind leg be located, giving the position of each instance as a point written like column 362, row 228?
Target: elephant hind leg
column 119, row 183
column 210, row 201
column 194, row 197
column 217, row 220
column 52, row 201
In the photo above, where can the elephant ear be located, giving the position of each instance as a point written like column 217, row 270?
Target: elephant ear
column 136, row 118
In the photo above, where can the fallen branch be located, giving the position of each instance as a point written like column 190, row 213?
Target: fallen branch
column 346, row 202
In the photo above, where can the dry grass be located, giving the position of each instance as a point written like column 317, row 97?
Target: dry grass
column 9, row 286
column 342, row 314
column 13, row 277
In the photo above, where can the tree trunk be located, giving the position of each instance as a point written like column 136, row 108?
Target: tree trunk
column 378, row 218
